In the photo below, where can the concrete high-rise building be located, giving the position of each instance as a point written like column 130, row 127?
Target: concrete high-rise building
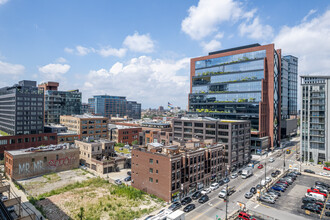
column 107, row 106
column 22, row 109
column 241, row 83
column 315, row 119
column 289, row 91
column 133, row 110
column 59, row 103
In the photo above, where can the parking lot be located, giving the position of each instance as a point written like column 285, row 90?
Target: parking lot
column 291, row 199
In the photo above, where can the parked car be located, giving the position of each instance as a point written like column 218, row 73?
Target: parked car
column 248, row 195
column 186, row 200
column 268, row 179
column 311, row 208
column 226, row 180
column 267, row 199
column 308, row 200
column 129, row 173
column 275, row 192
column 297, row 173
column 189, row 207
column 127, row 179
column 322, row 184
column 278, row 188
column 11, row 208
column 149, row 217
column 274, row 174
column 4, row 198
column 321, row 188
column 316, row 191
column 309, row 171
column 327, row 214
column 214, row 186
column 234, row 175
column 326, row 168
column 271, row 160
column 118, row 182
column 196, row 195
column 260, row 166
column 245, row 216
column 221, row 182
column 259, row 186
column 175, row 206
column 253, row 190
column 203, row 199
column 316, row 196
column 271, row 193
column 206, row 191
column 239, row 172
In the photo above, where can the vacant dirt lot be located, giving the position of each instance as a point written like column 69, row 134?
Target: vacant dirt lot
column 46, row 183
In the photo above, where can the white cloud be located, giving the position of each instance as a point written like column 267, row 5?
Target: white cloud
column 68, row 50
column 139, row 43
column 2, row 2
column 256, row 30
column 219, row 35
column 61, row 60
column 205, row 18
column 310, row 13
column 12, row 69
column 211, row 46
column 150, row 81
column 82, row 51
column 309, row 41
column 54, row 71
column 108, row 51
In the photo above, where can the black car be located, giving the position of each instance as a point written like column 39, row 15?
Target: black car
column 239, row 172
column 175, row 206
column 308, row 200
column 327, row 205
column 221, row 182
column 259, row 186
column 196, row 195
column 127, row 179
column 327, row 214
column 311, row 207
column 277, row 172
column 322, row 184
column 297, row 173
column 309, row 171
column 129, row 173
column 186, row 201
column 253, row 190
column 189, row 207
column 226, row 180
column 203, row 199
column 274, row 175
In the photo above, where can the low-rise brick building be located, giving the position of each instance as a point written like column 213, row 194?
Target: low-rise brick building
column 124, row 134
column 32, row 162
column 171, row 172
column 100, row 156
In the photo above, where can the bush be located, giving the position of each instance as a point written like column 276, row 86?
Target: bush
column 127, row 191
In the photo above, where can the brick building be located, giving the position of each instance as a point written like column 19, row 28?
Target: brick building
column 100, row 156
column 86, row 125
column 124, row 134
column 25, row 141
column 171, row 172
column 234, row 134
column 32, row 162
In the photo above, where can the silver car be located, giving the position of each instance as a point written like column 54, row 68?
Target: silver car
column 267, row 199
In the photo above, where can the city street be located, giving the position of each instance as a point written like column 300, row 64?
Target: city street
column 217, row 207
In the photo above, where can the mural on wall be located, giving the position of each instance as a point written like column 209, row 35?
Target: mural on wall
column 38, row 166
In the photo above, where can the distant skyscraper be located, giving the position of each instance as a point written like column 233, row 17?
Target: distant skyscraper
column 107, row 106
column 133, row 110
column 240, row 83
column 315, row 119
column 59, row 103
column 84, row 108
column 22, row 109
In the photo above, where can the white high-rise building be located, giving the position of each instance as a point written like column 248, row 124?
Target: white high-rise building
column 315, row 119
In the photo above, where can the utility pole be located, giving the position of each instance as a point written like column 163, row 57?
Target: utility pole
column 284, row 162
column 265, row 170
column 226, row 199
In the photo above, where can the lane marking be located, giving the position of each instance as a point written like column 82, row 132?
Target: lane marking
column 256, row 206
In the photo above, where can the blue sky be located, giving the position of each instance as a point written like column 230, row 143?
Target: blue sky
column 142, row 49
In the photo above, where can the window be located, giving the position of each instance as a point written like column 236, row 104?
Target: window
column 156, row 171
column 151, row 161
column 156, row 180
column 151, row 170
column 150, row 180
column 57, row 157
column 2, row 142
column 156, row 161
column 45, row 159
column 32, row 160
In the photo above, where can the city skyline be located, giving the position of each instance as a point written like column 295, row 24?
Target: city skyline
column 145, row 49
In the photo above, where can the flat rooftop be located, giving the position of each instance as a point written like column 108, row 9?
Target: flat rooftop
column 88, row 116
column 209, row 119
column 235, row 48
column 33, row 150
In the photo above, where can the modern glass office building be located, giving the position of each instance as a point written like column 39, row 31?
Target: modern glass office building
column 240, row 83
column 133, row 110
column 315, row 119
column 108, row 106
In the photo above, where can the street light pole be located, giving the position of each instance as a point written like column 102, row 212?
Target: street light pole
column 226, row 199
column 265, row 170
column 284, row 162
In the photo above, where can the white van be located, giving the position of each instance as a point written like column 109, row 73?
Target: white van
column 316, row 196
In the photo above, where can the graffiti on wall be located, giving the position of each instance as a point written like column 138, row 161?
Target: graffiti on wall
column 26, row 168
column 62, row 161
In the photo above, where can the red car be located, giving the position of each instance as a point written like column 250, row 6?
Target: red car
column 316, row 191
column 326, row 168
column 245, row 216
column 260, row 166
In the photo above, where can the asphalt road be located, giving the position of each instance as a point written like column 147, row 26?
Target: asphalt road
column 216, row 206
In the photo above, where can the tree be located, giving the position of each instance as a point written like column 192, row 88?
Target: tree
column 135, row 142
column 80, row 215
